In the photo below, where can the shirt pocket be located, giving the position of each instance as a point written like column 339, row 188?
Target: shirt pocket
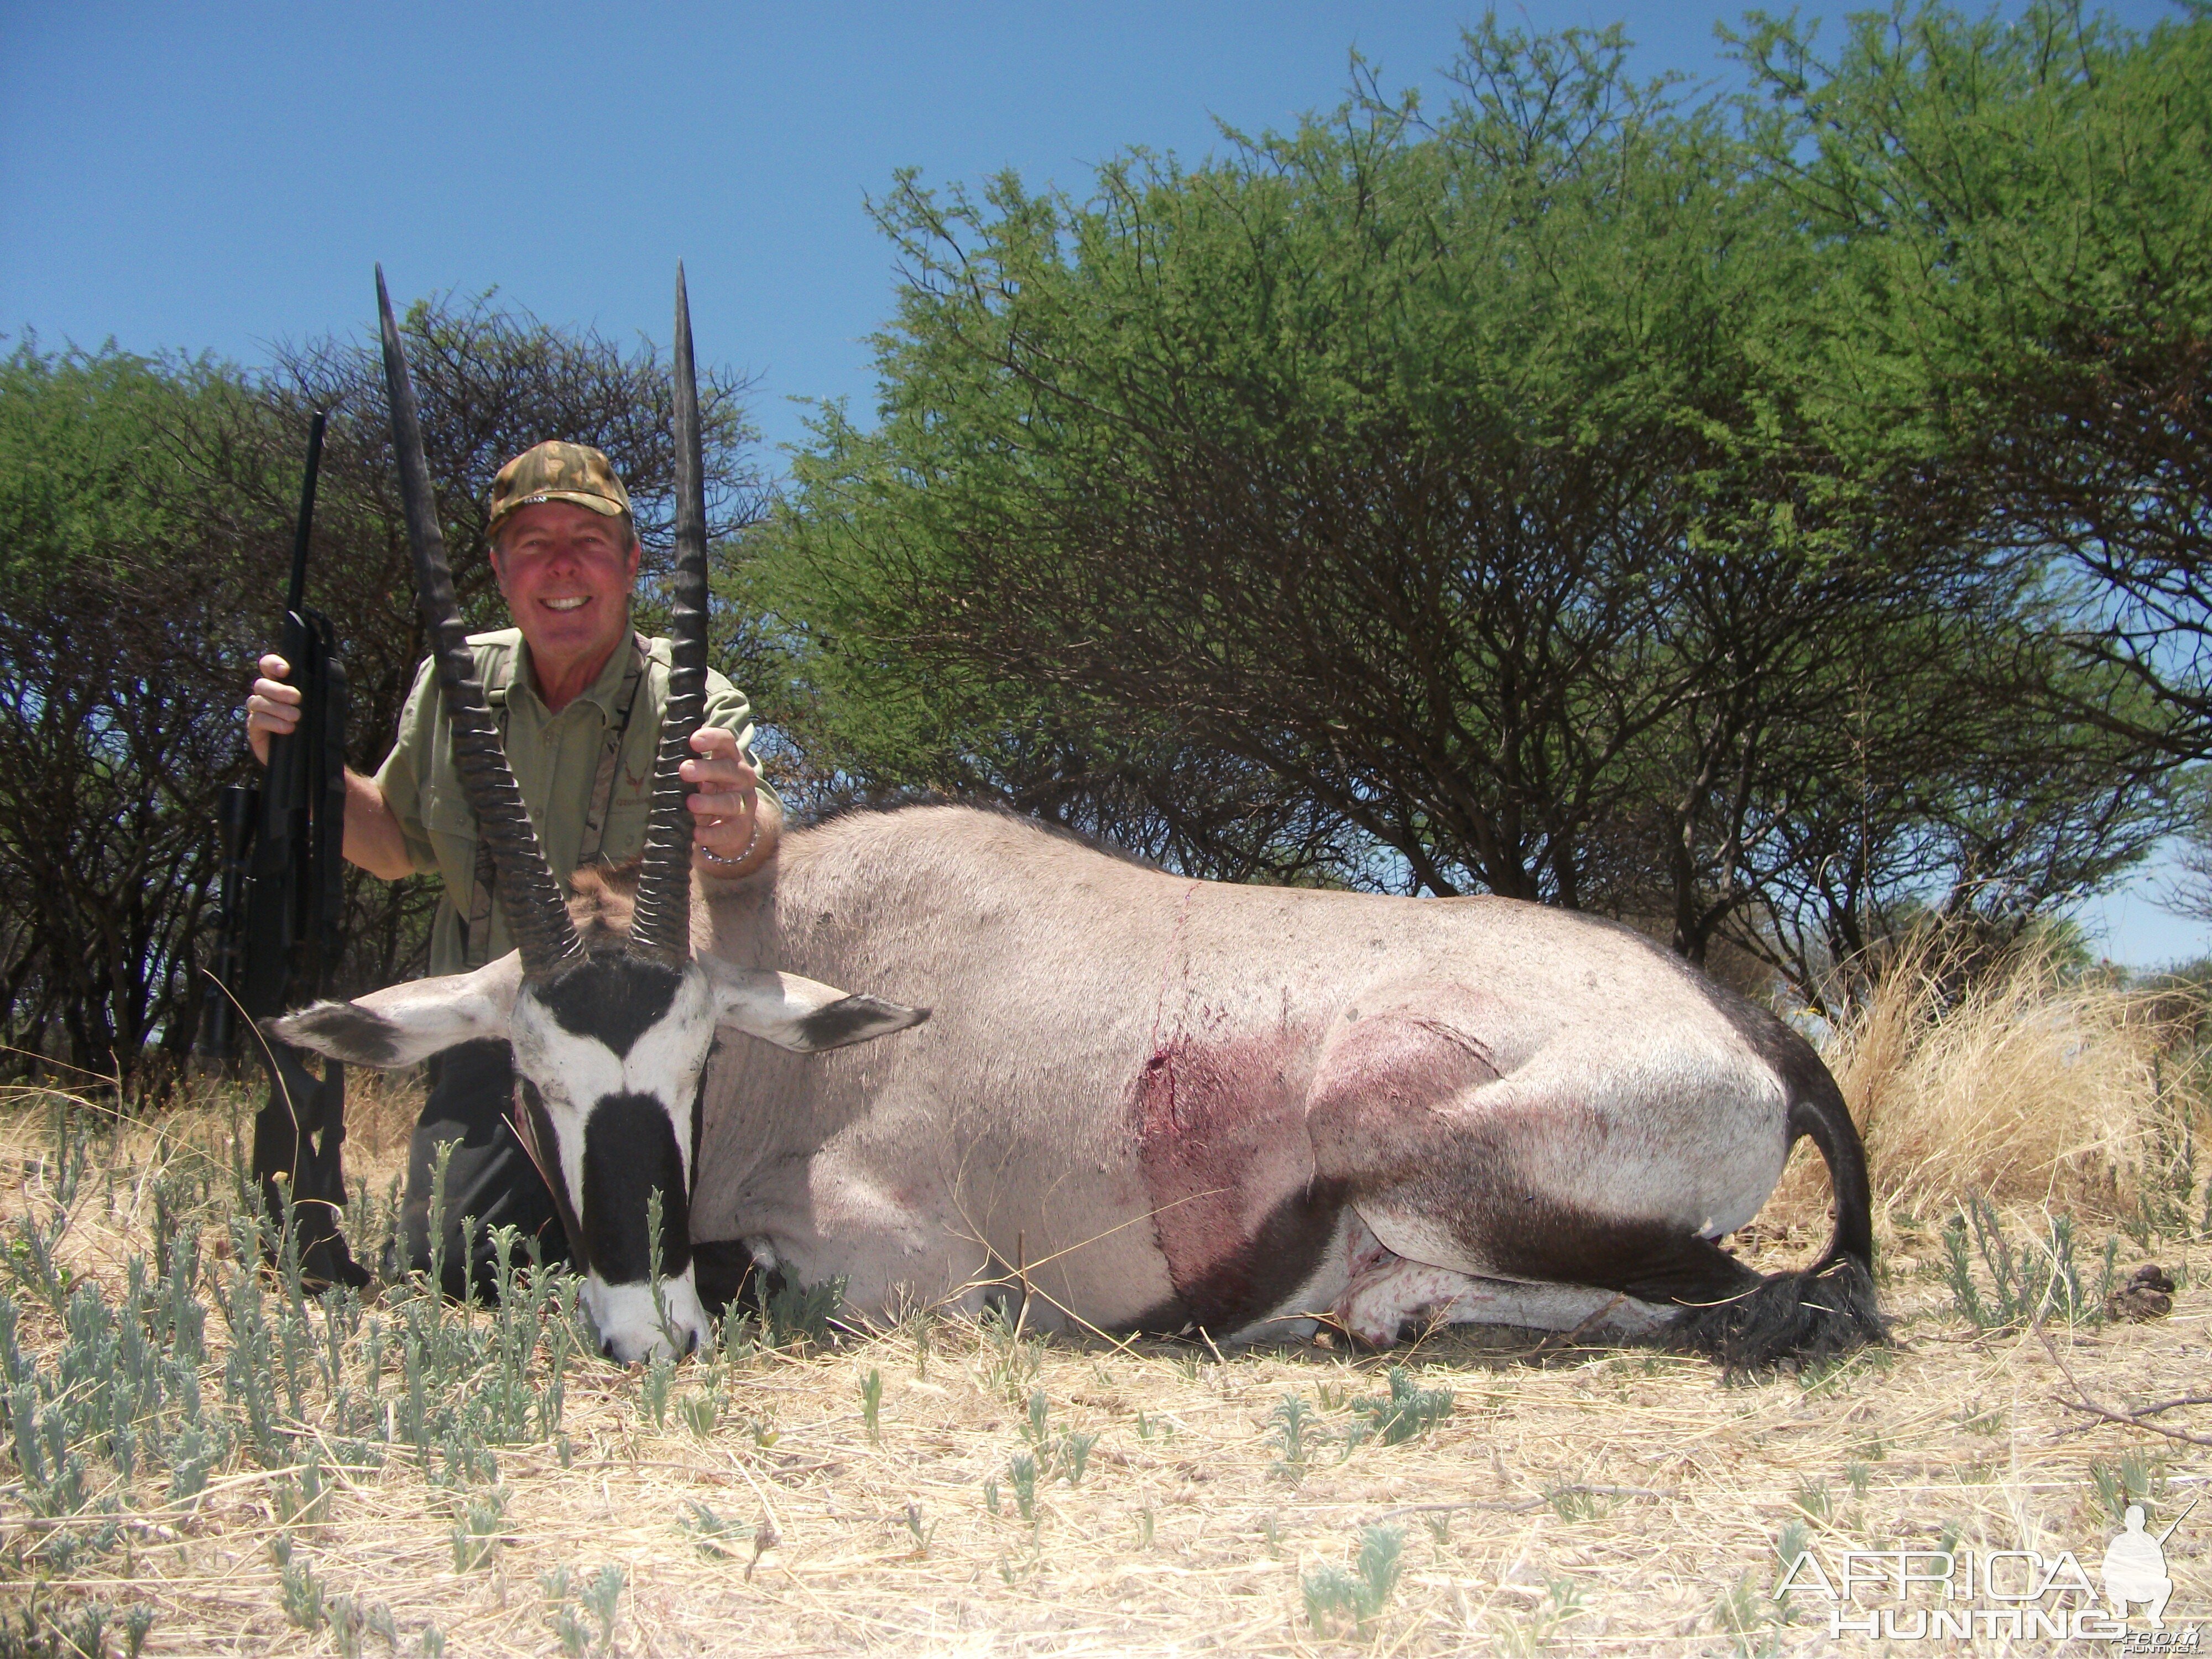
column 624, row 838
column 452, row 829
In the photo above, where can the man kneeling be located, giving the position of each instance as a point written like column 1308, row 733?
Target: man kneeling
column 579, row 695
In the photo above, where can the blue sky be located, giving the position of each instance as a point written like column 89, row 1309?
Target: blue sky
column 217, row 178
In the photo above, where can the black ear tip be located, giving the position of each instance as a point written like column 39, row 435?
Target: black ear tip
column 340, row 1031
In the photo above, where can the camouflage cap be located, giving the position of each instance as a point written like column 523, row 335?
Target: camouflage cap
column 555, row 471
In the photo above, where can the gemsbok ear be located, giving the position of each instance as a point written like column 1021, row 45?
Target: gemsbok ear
column 803, row 1015
column 403, row 1024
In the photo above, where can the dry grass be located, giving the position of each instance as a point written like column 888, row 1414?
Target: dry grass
column 1573, row 1500
column 2029, row 1090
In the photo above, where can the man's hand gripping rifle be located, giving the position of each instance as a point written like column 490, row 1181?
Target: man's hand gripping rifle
column 283, row 902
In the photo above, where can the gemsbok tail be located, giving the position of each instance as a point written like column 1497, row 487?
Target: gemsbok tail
column 1828, row 1308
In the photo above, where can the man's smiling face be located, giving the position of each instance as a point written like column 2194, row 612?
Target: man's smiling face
column 565, row 573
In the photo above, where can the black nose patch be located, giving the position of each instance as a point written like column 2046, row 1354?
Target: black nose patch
column 630, row 1150
column 616, row 999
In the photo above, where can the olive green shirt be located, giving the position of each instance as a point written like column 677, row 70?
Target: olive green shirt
column 556, row 758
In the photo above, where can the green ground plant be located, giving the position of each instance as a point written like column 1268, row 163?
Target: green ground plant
column 792, row 1314
column 1997, row 1283
column 125, row 1414
column 2134, row 1476
column 1814, row 1496
column 1291, row 1419
column 1405, row 1412
column 1575, row 1503
column 871, row 1402
column 1339, row 1599
column 88, row 1628
column 1751, row 1620
column 1538, row 1630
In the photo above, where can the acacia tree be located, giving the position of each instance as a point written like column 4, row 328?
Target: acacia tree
column 108, row 732
column 147, row 510
column 2021, row 313
column 1449, row 480
column 1350, row 458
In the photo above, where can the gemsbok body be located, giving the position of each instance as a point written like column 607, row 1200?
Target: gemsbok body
column 1146, row 1103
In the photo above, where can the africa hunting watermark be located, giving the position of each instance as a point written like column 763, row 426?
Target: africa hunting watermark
column 2018, row 1595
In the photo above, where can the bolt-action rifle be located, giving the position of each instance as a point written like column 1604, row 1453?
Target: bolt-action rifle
column 282, row 902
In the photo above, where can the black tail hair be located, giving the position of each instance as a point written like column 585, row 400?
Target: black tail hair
column 1828, row 1308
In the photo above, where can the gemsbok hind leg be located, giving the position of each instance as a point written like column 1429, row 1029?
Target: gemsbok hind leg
column 1530, row 1198
column 1390, row 1298
column 1616, row 1170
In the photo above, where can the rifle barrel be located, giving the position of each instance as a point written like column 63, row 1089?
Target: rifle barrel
column 298, row 590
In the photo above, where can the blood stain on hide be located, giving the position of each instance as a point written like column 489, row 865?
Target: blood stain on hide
column 1221, row 1139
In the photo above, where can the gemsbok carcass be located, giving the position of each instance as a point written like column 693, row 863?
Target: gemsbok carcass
column 1143, row 1102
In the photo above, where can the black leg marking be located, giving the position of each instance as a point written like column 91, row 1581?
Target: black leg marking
column 723, row 1271
column 630, row 1150
column 1746, row 1321
column 1651, row 1261
column 1251, row 1277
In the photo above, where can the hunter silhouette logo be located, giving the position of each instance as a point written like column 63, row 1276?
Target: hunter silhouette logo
column 2134, row 1566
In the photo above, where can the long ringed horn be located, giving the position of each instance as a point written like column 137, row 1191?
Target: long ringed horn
column 527, row 892
column 660, row 928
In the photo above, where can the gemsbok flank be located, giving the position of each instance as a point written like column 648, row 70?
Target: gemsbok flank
column 1143, row 1103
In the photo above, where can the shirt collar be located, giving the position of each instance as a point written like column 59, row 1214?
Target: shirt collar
column 601, row 692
